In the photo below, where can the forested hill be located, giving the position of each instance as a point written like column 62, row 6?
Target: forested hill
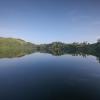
column 19, row 47
column 12, row 47
column 12, row 42
column 58, row 48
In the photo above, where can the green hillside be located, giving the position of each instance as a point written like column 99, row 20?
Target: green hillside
column 11, row 47
column 15, row 47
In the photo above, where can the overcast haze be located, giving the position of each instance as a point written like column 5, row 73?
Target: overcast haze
column 44, row 21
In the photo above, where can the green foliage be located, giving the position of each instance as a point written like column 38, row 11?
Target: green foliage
column 58, row 48
column 11, row 47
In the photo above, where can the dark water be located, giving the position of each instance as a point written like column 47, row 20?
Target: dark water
column 41, row 76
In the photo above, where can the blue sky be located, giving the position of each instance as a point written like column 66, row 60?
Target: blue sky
column 45, row 21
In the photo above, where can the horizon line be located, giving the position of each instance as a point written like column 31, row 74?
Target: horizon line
column 49, row 42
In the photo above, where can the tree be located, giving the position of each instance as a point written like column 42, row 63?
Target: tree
column 98, row 41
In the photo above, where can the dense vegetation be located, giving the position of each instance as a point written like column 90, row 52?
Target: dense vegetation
column 11, row 47
column 60, row 48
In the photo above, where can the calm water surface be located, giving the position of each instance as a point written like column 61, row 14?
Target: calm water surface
column 41, row 76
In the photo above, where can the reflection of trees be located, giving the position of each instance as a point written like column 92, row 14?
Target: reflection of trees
column 56, row 52
column 59, row 52
column 55, row 48
column 79, row 54
column 14, row 53
column 98, row 59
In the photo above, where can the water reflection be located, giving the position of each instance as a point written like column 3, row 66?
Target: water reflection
column 20, row 53
column 41, row 76
column 14, row 53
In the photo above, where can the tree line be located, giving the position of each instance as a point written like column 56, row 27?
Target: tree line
column 20, row 47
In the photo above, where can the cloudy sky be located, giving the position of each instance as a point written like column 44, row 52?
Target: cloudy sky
column 44, row 21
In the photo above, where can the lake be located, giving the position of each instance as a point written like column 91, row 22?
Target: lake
column 42, row 76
